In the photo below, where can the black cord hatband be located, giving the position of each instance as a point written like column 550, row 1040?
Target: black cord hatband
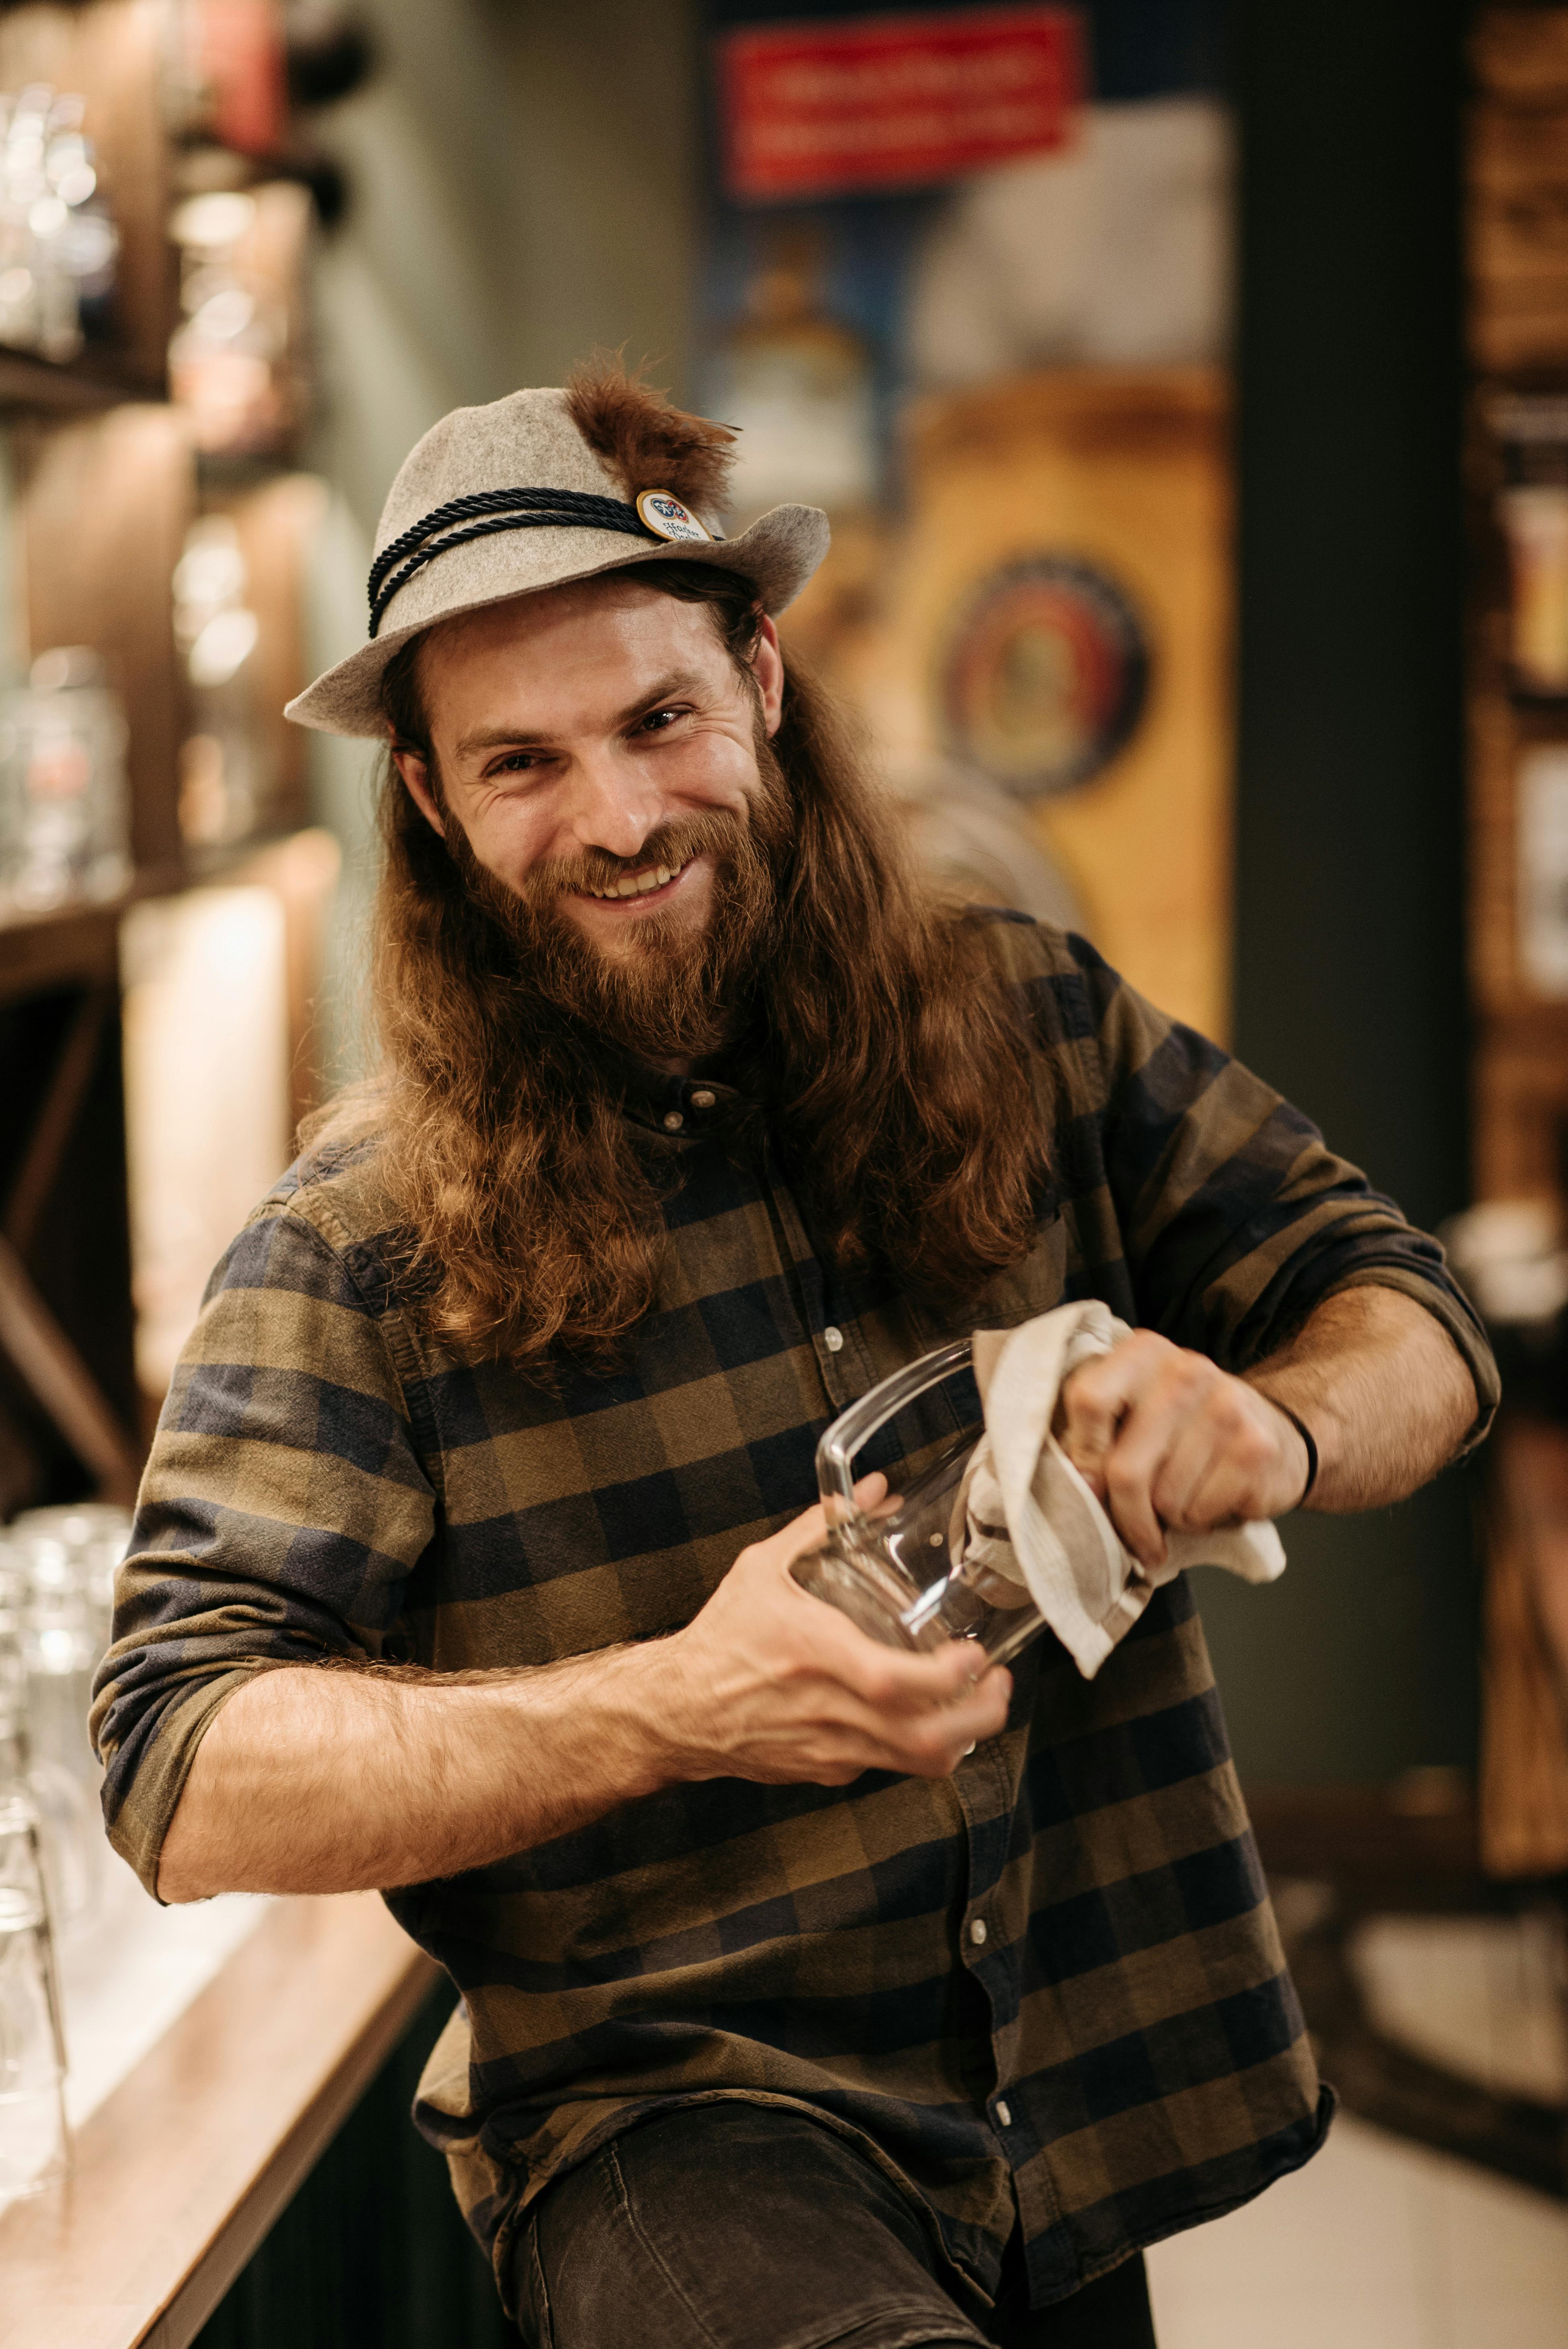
column 480, row 514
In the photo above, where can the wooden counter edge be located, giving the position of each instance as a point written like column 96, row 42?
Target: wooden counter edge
column 184, row 2169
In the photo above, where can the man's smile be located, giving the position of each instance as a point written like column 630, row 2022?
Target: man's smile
column 656, row 885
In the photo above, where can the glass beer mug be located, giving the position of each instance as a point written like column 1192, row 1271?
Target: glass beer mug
column 35, row 2141
column 905, row 1573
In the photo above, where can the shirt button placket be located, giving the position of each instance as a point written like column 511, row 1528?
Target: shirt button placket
column 979, row 1934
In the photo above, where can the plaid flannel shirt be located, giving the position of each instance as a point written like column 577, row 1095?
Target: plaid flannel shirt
column 1050, row 1989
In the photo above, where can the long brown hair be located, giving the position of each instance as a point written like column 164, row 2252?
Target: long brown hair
column 890, row 1054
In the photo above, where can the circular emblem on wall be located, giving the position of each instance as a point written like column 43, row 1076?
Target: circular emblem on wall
column 1048, row 673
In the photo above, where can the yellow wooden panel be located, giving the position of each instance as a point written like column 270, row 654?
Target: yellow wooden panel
column 1128, row 470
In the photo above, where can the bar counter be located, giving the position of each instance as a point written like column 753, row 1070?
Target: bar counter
column 184, row 2166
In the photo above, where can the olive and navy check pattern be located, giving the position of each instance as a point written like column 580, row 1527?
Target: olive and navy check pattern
column 1050, row 1988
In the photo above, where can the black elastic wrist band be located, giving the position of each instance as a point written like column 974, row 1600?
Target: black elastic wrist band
column 1304, row 1433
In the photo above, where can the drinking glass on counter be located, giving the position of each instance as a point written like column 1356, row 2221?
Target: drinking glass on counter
column 92, row 1537
column 13, row 1670
column 58, row 1566
column 34, row 2142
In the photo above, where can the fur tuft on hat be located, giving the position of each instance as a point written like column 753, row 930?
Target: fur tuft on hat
column 649, row 444
column 542, row 488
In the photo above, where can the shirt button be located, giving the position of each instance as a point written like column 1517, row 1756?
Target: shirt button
column 977, row 1932
column 702, row 1101
column 674, row 1121
column 1003, row 2114
column 833, row 1339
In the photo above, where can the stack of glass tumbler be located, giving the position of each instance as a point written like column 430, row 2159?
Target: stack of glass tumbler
column 56, row 1573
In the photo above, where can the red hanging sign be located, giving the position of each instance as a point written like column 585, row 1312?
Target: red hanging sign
column 238, row 58
column 872, row 102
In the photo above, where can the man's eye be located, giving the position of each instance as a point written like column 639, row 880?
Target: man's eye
column 657, row 720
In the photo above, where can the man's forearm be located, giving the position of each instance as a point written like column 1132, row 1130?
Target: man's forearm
column 1384, row 1389
column 319, row 1780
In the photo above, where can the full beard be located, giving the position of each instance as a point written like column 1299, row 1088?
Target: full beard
column 677, row 993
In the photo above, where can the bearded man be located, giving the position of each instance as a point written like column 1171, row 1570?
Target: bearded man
column 811, row 1991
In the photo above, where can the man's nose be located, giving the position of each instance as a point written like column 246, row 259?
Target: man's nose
column 613, row 806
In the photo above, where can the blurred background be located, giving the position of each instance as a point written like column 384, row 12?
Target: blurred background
column 1187, row 384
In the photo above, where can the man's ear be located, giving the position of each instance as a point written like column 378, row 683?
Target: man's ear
column 768, row 666
column 417, row 783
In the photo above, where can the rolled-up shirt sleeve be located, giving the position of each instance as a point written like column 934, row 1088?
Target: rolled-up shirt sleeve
column 1236, row 1217
column 282, row 1510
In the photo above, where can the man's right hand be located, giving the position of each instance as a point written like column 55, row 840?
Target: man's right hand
column 769, row 1683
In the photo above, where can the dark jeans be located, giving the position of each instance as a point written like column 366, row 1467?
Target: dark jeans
column 735, row 2225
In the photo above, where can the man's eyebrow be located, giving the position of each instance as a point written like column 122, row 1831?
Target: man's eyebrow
column 500, row 738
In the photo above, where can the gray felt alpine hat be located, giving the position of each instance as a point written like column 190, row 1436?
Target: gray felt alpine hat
column 501, row 500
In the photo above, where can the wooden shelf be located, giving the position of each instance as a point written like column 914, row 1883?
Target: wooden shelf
column 77, row 942
column 74, row 943
column 1397, row 1841
column 184, row 2168
column 1535, row 1023
column 33, row 386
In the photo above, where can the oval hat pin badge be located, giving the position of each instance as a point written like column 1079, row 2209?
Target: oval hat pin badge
column 668, row 518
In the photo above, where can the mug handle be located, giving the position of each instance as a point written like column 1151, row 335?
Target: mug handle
column 861, row 1421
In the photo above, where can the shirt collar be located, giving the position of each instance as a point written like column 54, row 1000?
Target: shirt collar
column 683, row 1106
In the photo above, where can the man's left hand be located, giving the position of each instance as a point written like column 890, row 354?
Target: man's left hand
column 1170, row 1442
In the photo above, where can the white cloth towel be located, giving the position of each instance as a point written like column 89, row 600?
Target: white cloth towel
column 1024, row 1511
